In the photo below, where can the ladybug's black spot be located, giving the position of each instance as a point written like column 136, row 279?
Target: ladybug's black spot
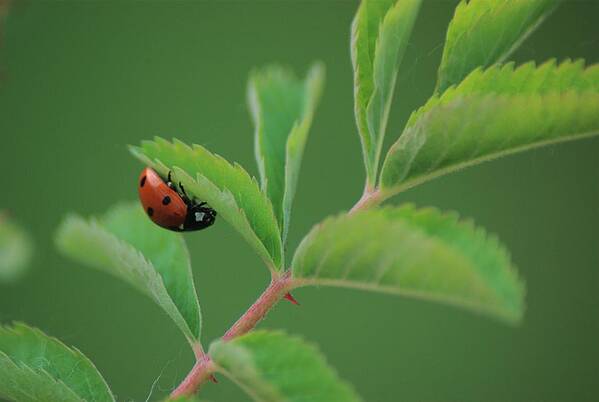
column 150, row 211
column 166, row 200
column 143, row 181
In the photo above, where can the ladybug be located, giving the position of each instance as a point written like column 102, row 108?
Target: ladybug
column 170, row 207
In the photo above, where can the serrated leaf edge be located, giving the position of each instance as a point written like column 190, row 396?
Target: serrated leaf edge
column 502, row 68
column 466, row 224
column 270, row 260
column 313, row 86
column 464, row 7
column 69, row 349
column 378, row 90
column 390, row 191
column 247, row 357
column 125, row 248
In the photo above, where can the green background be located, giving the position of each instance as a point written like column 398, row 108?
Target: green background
column 84, row 79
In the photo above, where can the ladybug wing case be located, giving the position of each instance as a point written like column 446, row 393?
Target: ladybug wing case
column 163, row 205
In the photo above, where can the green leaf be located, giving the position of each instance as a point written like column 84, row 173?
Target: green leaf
column 506, row 79
column 380, row 33
column 15, row 250
column 37, row 368
column 484, row 32
column 126, row 244
column 413, row 252
column 274, row 367
column 227, row 188
column 494, row 113
column 282, row 108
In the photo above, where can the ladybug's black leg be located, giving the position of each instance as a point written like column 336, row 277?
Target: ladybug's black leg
column 169, row 182
column 185, row 196
column 205, row 207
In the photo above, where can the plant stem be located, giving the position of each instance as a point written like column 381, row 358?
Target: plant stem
column 274, row 292
column 278, row 287
column 204, row 366
column 200, row 372
column 198, row 350
column 370, row 198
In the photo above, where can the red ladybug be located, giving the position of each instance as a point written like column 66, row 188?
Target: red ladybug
column 170, row 208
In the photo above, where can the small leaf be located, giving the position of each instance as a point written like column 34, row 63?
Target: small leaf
column 282, row 108
column 494, row 113
column 380, row 33
column 126, row 244
column 15, row 250
column 37, row 368
column 274, row 367
column 412, row 252
column 484, row 32
column 506, row 79
column 227, row 188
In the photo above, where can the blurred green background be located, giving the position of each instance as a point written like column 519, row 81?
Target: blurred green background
column 84, row 79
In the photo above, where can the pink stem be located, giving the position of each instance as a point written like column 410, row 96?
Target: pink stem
column 369, row 198
column 277, row 289
column 273, row 293
column 204, row 366
column 200, row 372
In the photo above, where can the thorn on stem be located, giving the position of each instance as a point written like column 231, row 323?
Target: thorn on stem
column 291, row 298
column 213, row 379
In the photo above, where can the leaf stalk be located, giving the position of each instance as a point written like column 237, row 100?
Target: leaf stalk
column 369, row 199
